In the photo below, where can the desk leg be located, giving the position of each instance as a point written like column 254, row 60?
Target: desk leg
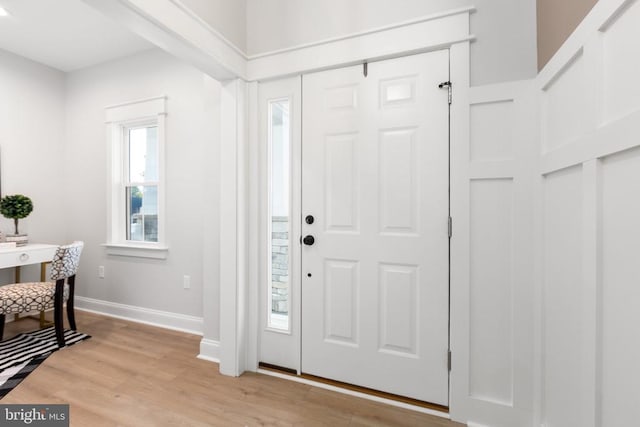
column 43, row 271
column 16, row 273
column 43, row 278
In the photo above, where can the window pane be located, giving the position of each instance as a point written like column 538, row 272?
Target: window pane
column 143, row 154
column 280, row 239
column 142, row 213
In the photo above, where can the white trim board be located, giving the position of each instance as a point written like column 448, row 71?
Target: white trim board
column 209, row 350
column 367, row 46
column 147, row 316
column 419, row 20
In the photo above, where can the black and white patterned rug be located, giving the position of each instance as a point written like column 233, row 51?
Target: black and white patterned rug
column 20, row 355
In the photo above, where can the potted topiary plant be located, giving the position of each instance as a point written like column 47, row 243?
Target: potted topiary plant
column 16, row 207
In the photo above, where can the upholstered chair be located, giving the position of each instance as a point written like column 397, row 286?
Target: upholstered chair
column 39, row 296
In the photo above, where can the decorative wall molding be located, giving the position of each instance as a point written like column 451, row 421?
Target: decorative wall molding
column 136, row 109
column 586, row 187
column 162, row 319
column 419, row 20
column 209, row 28
column 417, row 36
column 491, row 275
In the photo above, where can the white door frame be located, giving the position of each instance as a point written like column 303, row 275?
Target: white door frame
column 174, row 28
column 402, row 42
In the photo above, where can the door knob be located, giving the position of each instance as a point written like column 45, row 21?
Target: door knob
column 309, row 219
column 308, row 240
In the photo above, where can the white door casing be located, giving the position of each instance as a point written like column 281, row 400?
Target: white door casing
column 375, row 177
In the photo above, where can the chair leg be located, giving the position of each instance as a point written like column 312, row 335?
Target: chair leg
column 58, row 300
column 70, row 310
column 1, row 326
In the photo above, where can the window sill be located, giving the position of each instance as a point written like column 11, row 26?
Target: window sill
column 137, row 251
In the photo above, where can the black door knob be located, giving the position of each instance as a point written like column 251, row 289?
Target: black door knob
column 308, row 240
column 309, row 219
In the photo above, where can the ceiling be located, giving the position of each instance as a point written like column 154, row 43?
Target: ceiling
column 64, row 34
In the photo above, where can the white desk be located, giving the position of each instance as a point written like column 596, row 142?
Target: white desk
column 32, row 253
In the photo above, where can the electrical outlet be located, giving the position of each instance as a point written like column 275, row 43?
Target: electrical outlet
column 186, row 282
column 101, row 271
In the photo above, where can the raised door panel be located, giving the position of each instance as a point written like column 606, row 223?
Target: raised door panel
column 341, row 302
column 398, row 192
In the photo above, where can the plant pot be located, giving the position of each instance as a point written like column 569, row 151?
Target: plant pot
column 20, row 239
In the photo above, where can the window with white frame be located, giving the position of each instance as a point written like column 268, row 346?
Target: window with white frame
column 136, row 197
column 141, row 182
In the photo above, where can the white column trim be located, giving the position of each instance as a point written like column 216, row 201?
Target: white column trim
column 233, row 223
column 459, row 242
column 253, row 227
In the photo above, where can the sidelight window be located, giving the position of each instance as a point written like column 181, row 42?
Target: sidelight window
column 279, row 212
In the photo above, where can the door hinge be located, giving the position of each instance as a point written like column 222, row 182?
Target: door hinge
column 449, row 87
column 450, row 227
column 449, row 360
column 365, row 69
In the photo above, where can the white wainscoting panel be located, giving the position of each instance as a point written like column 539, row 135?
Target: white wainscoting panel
column 502, row 138
column 621, row 64
column 491, row 140
column 564, row 101
column 621, row 289
column 563, row 299
column 587, row 366
column 491, row 330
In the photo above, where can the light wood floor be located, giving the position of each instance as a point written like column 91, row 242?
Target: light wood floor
column 130, row 374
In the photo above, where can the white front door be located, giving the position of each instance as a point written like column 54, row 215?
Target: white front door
column 375, row 179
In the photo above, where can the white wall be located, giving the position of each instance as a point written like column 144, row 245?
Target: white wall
column 151, row 284
column 228, row 17
column 587, row 310
column 505, row 48
column 31, row 148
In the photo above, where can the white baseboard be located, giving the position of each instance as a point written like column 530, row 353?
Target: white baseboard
column 209, row 350
column 162, row 319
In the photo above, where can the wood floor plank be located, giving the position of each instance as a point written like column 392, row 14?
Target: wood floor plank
column 130, row 374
